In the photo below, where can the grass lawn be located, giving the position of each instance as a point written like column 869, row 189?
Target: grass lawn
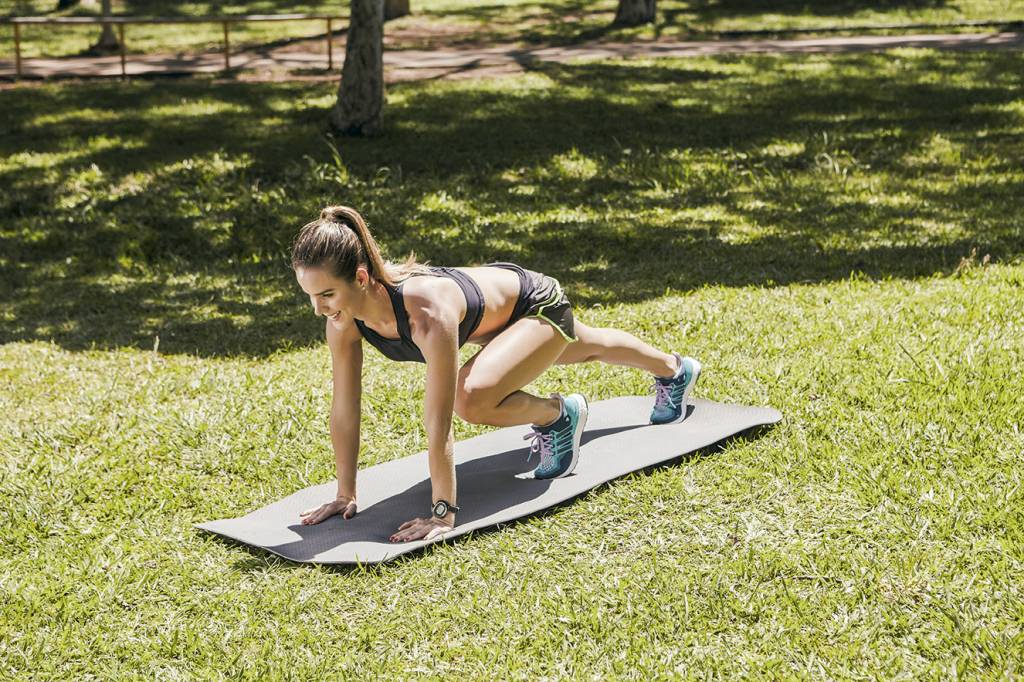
column 839, row 237
column 454, row 23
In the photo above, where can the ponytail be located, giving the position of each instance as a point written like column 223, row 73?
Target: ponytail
column 370, row 252
column 341, row 241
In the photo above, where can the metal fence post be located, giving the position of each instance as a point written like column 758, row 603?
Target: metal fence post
column 330, row 48
column 227, row 49
column 17, row 48
column 120, row 39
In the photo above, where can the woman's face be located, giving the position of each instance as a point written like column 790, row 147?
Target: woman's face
column 331, row 296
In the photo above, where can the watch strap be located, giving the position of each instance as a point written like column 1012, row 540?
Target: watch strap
column 449, row 507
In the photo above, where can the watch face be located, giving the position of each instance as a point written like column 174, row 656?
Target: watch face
column 440, row 509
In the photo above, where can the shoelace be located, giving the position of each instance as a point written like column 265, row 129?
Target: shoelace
column 662, row 394
column 542, row 443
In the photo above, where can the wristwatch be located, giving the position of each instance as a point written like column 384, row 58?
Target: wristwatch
column 442, row 507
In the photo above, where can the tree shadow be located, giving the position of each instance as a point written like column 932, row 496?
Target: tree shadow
column 173, row 217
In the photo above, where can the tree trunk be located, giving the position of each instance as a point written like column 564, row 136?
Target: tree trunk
column 361, row 92
column 635, row 12
column 395, row 8
column 108, row 41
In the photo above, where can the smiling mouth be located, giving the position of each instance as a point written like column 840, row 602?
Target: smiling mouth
column 335, row 316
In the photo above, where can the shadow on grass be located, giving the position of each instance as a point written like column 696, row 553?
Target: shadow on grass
column 624, row 179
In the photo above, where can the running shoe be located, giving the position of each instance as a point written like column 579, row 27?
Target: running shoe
column 558, row 444
column 670, row 393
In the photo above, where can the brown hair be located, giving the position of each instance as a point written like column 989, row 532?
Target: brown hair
column 340, row 241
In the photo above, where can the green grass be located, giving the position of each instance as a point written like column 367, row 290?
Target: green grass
column 839, row 237
column 453, row 23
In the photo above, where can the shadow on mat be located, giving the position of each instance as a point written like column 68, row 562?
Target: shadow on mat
column 487, row 485
column 492, row 484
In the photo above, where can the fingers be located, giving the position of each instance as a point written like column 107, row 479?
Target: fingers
column 324, row 511
column 311, row 517
column 412, row 534
column 435, row 532
column 418, row 529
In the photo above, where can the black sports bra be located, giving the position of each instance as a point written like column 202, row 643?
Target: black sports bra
column 403, row 349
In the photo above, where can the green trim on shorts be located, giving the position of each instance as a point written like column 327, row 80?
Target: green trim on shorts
column 547, row 304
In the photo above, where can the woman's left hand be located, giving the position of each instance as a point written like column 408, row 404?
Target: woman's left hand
column 427, row 529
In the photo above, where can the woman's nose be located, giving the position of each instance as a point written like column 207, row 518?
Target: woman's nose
column 316, row 307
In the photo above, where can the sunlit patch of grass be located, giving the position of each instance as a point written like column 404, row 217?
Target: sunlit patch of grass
column 91, row 115
column 17, row 164
column 572, row 165
column 194, row 108
column 936, row 152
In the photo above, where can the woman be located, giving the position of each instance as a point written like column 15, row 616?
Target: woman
column 412, row 312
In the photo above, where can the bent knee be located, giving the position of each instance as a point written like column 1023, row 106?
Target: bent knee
column 475, row 403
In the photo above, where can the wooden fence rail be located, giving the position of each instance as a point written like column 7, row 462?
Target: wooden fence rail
column 121, row 22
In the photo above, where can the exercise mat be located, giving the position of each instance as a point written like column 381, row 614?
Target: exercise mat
column 495, row 483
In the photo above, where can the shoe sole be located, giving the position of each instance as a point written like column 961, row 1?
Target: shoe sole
column 576, row 438
column 686, row 393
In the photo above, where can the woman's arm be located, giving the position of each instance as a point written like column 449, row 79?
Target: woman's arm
column 434, row 314
column 346, row 402
column 346, row 347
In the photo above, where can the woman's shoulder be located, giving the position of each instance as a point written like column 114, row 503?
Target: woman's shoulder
column 424, row 291
column 431, row 301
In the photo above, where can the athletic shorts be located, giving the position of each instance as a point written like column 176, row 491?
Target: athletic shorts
column 541, row 296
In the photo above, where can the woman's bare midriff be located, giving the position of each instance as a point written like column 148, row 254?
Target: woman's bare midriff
column 500, row 289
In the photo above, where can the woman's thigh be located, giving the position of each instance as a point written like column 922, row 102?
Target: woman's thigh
column 515, row 357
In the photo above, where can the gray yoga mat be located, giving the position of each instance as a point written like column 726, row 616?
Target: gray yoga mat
column 495, row 482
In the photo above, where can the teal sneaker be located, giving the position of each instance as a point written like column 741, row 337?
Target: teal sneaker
column 559, row 443
column 670, row 394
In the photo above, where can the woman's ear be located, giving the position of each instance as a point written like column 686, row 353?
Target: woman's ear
column 362, row 277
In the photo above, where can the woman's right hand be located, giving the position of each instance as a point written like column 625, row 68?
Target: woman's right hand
column 346, row 506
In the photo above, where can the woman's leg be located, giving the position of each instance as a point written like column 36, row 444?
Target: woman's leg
column 488, row 388
column 616, row 347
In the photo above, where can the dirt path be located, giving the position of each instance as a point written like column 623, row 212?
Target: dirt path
column 290, row 63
